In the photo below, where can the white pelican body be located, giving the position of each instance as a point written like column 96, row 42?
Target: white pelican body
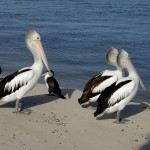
column 108, row 77
column 100, row 82
column 118, row 95
column 15, row 86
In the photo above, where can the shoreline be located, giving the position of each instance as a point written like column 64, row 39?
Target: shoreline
column 56, row 124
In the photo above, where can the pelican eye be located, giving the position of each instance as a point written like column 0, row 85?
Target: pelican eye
column 38, row 38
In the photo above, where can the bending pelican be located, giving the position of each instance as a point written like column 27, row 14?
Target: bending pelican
column 119, row 94
column 103, row 80
column 16, row 85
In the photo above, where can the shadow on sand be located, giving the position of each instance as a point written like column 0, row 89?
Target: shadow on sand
column 93, row 104
column 130, row 110
column 146, row 146
column 31, row 101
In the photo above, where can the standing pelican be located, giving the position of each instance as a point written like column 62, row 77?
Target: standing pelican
column 119, row 94
column 103, row 80
column 16, row 85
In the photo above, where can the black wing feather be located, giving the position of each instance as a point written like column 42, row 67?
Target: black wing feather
column 87, row 92
column 3, row 90
column 105, row 96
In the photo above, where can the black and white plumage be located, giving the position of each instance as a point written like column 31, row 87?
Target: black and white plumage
column 16, row 85
column 52, row 84
column 119, row 94
column 98, row 83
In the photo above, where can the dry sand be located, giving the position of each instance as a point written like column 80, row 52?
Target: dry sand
column 57, row 124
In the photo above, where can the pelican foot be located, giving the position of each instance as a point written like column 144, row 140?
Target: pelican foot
column 19, row 107
column 26, row 111
column 23, row 112
column 121, row 121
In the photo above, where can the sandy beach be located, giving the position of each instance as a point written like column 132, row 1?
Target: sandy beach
column 58, row 124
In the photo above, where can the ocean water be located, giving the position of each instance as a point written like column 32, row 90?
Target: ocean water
column 76, row 35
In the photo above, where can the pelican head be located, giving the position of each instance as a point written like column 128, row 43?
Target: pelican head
column 33, row 42
column 124, row 61
column 111, row 56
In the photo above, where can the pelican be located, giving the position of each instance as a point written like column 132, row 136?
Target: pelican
column 103, row 80
column 52, row 84
column 119, row 94
column 16, row 85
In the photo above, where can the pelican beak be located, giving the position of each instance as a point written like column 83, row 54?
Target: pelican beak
column 140, row 80
column 38, row 45
column 141, row 83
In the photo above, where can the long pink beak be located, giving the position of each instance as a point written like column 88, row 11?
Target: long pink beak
column 39, row 47
column 140, row 80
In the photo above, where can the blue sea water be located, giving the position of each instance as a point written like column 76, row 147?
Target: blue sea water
column 76, row 35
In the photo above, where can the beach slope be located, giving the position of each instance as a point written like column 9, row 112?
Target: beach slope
column 62, row 124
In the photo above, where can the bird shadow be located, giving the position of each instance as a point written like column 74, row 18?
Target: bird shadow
column 35, row 100
column 67, row 92
column 146, row 146
column 130, row 110
column 91, row 104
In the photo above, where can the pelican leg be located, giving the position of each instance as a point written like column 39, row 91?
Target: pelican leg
column 19, row 108
column 118, row 119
